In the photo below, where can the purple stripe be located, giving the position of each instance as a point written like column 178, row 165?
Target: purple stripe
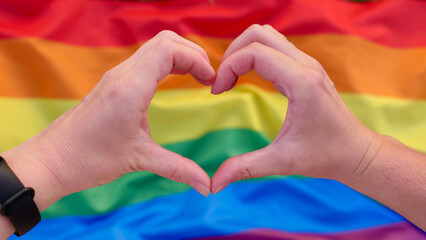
column 395, row 231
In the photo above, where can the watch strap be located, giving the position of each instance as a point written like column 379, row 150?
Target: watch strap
column 9, row 183
column 17, row 201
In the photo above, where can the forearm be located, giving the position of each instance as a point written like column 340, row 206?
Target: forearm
column 396, row 177
column 32, row 174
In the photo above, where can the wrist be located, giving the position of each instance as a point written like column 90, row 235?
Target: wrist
column 33, row 172
column 393, row 174
column 372, row 158
column 365, row 147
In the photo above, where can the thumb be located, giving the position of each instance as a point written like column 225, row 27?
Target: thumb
column 177, row 168
column 260, row 163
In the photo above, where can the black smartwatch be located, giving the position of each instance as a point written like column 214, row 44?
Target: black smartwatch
column 17, row 201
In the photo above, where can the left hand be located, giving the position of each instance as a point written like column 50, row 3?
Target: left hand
column 107, row 134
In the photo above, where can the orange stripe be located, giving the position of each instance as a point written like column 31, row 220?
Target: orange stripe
column 41, row 68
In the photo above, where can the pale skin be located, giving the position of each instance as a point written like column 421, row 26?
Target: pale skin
column 107, row 134
column 320, row 137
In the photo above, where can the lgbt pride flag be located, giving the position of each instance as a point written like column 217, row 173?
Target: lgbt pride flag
column 53, row 52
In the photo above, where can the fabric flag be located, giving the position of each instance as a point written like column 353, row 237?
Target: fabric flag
column 52, row 53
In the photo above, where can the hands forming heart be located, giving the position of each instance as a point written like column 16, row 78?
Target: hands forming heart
column 107, row 134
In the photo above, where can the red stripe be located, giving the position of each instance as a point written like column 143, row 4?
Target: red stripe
column 396, row 231
column 394, row 23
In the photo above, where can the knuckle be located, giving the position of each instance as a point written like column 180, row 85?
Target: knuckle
column 108, row 76
column 247, row 172
column 255, row 46
column 175, row 175
column 245, row 169
column 255, row 29
column 316, row 65
column 166, row 34
column 164, row 43
column 314, row 78
column 135, row 165
column 117, row 92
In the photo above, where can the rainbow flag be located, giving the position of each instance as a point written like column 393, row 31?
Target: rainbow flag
column 52, row 53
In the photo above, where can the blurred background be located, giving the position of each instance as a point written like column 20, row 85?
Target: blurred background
column 52, row 53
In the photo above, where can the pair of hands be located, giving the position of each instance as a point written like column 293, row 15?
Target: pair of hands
column 107, row 134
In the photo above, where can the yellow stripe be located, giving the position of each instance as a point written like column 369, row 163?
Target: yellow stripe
column 34, row 67
column 21, row 118
column 180, row 115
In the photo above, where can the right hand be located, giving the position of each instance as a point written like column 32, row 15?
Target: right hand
column 320, row 136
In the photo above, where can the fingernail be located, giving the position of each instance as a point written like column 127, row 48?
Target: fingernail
column 218, row 189
column 203, row 81
column 213, row 90
column 211, row 81
column 201, row 188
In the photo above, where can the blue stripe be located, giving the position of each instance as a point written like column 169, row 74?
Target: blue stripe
column 288, row 204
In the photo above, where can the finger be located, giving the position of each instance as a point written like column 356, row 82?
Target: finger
column 178, row 72
column 255, row 164
column 164, row 57
column 202, row 81
column 168, row 55
column 177, row 168
column 166, row 35
column 270, row 37
column 272, row 29
column 267, row 26
column 170, row 35
column 313, row 63
column 287, row 75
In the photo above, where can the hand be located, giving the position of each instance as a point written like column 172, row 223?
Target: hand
column 107, row 135
column 320, row 136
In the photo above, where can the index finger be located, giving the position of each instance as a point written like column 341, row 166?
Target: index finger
column 270, row 37
column 166, row 55
column 287, row 75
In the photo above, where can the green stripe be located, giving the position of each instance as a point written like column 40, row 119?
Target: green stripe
column 172, row 123
column 209, row 152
